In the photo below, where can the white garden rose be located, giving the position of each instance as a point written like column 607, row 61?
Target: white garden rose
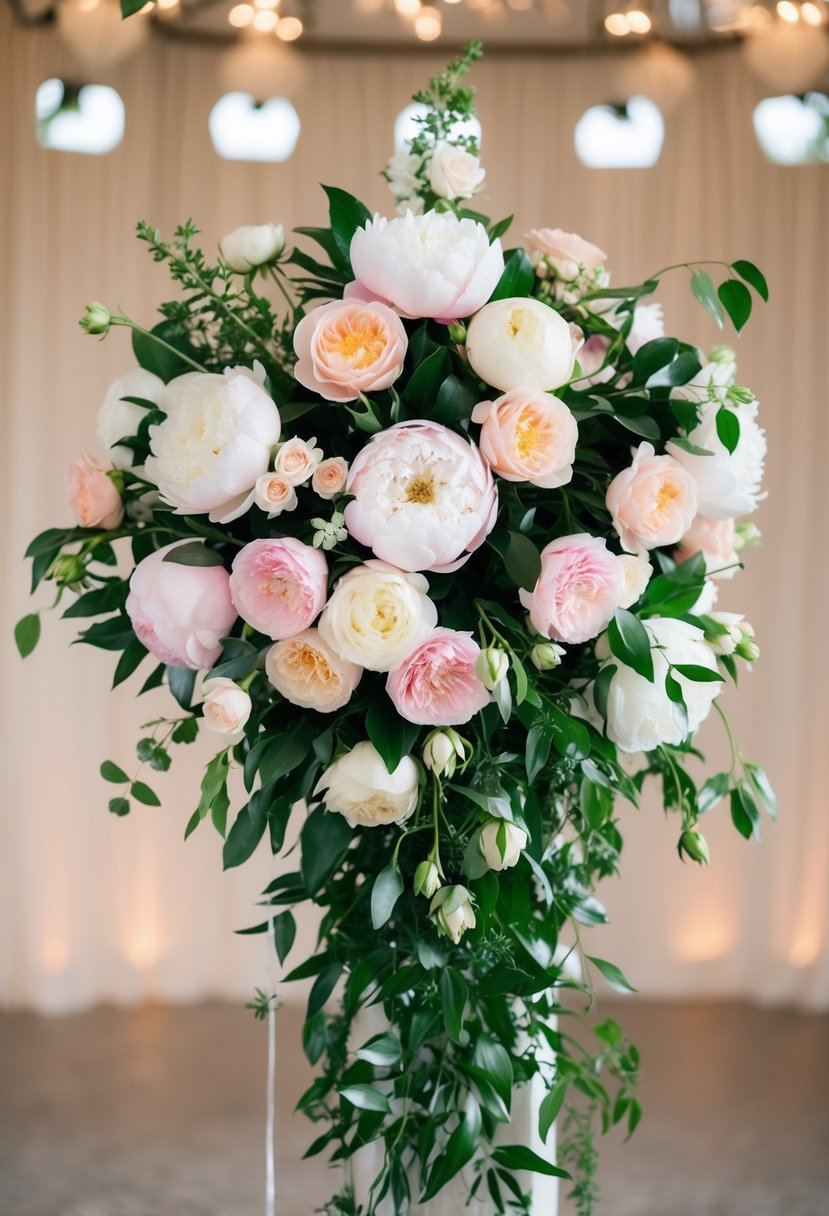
column 728, row 483
column 359, row 787
column 501, row 844
column 119, row 419
column 297, row 460
column 215, row 442
column 226, row 709
column 308, row 673
column 252, row 245
column 636, row 574
column 640, row 715
column 377, row 615
column 432, row 265
column 521, row 343
column 454, row 172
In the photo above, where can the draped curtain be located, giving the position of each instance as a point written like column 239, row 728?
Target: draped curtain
column 96, row 908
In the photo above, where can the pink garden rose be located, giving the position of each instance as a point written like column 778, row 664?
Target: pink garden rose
column 527, row 435
column 436, row 684
column 180, row 613
column 714, row 539
column 569, row 254
column 92, row 495
column 347, row 347
column 432, row 265
column 424, row 498
column 578, row 589
column 279, row 586
column 653, row 502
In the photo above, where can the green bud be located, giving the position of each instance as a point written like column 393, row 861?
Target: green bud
column 457, row 332
column 694, row 845
column 97, row 319
column 546, row 655
column 491, row 666
column 743, row 396
column 426, row 879
column 69, row 571
column 722, row 354
column 442, row 751
column 746, row 535
column 747, row 647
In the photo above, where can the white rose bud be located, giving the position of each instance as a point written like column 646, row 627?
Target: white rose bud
column 360, row 788
column 252, row 245
column 426, row 879
column 226, row 708
column 442, row 751
column 501, row 844
column 491, row 666
column 747, row 648
column 546, row 655
column 273, row 494
column 453, row 912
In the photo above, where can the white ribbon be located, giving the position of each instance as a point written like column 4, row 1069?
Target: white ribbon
column 270, row 1171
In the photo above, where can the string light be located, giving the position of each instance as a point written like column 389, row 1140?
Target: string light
column 289, row 29
column 638, row 21
column 617, row 24
column 407, row 8
column 240, row 15
column 428, row 24
column 787, row 11
column 265, row 20
column 811, row 14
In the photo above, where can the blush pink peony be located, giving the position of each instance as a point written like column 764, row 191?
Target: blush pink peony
column 653, row 502
column 527, row 435
column 180, row 613
column 714, row 539
column 346, row 347
column 279, row 586
column 92, row 495
column 436, row 684
column 424, row 498
column 578, row 590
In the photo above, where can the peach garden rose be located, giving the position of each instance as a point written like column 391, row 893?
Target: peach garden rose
column 653, row 502
column 330, row 477
column 92, row 494
column 308, row 673
column 529, row 436
column 348, row 347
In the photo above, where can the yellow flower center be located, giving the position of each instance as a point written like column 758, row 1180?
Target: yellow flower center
column 359, row 343
column 526, row 436
column 421, row 489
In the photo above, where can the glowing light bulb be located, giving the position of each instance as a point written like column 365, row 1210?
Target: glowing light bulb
column 811, row 14
column 617, row 24
column 407, row 8
column 241, row 15
column 289, row 29
column 265, row 20
column 167, row 4
column 638, row 22
column 428, row 24
column 787, row 11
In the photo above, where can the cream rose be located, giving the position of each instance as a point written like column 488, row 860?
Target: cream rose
column 252, row 245
column 653, row 502
column 377, row 615
column 226, row 708
column 501, row 844
column 359, row 787
column 521, row 343
column 454, row 172
column 529, row 436
column 273, row 494
column 715, row 539
column 308, row 673
column 636, row 574
column 330, row 477
column 453, row 912
column 297, row 460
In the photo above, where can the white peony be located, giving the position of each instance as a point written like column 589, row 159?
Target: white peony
column 521, row 343
column 308, row 673
column 648, row 324
column 214, row 444
column 226, row 708
column 252, row 245
column 640, row 715
column 360, row 788
column 377, row 615
column 432, row 265
column 501, row 844
column 454, row 172
column 119, row 419
column 728, row 483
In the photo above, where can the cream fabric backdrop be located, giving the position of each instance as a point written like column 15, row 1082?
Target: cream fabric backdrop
column 92, row 908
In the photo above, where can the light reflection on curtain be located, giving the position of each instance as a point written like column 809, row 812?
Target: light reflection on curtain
column 96, row 908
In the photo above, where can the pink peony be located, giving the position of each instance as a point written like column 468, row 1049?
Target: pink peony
column 714, row 539
column 92, row 495
column 432, row 265
column 578, row 589
column 436, row 684
column 527, row 435
column 423, row 497
column 279, row 586
column 346, row 348
column 653, row 502
column 180, row 613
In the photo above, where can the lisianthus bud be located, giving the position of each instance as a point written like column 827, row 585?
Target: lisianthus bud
column 491, row 666
column 501, row 844
column 747, row 647
column 546, row 655
column 457, row 332
column 694, row 845
column 746, row 535
column 97, row 318
column 426, row 879
column 453, row 912
column 442, row 751
column 722, row 354
column 69, row 571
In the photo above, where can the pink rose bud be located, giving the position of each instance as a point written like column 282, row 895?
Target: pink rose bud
column 273, row 494
column 279, row 586
column 296, row 460
column 330, row 477
column 93, row 496
column 568, row 254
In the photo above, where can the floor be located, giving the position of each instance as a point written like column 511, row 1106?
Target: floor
column 159, row 1112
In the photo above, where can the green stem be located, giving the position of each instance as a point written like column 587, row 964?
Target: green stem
column 492, row 628
column 736, row 756
column 277, row 278
column 234, row 317
column 146, row 333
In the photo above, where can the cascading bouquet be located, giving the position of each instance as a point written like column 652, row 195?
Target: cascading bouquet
column 432, row 546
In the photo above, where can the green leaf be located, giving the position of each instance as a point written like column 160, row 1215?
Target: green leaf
column 391, row 735
column 425, row 383
column 519, row 1157
column 749, row 272
column 186, row 731
column 517, row 279
column 285, row 753
column 454, row 994
column 494, row 1060
column 630, row 643
column 247, row 830
column 113, row 634
column 154, row 357
column 384, row 1051
column 366, row 1097
column 736, row 300
column 500, row 228
column 111, row 772
column 129, row 7
column 683, row 369
column 284, row 934
column 130, row 660
column 346, row 214
column 611, row 973
column 539, row 742
column 703, row 289
column 549, row 1109
column 194, row 553
column 601, row 688
column 728, row 428
column 142, row 793
column 325, row 838
column 522, row 561
column 459, row 1150
column 387, row 889
column 642, row 425
column 712, row 792
column 700, row 675
column 322, row 987
column 182, row 682
column 572, row 739
column 101, row 600
column 762, row 787
column 652, row 356
column 119, row 806
column 744, row 813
